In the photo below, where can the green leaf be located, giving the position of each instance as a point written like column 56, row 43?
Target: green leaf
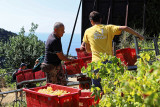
column 96, row 98
column 98, row 89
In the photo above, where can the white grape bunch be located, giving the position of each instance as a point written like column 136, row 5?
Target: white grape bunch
column 51, row 92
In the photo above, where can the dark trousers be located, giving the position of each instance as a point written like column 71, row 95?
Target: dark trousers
column 97, row 82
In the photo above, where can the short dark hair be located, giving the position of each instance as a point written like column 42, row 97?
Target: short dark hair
column 57, row 25
column 95, row 16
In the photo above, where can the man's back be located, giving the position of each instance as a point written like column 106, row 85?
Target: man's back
column 100, row 39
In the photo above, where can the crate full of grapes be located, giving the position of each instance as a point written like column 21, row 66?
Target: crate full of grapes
column 52, row 95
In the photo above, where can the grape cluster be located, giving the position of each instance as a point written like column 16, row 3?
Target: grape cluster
column 51, row 92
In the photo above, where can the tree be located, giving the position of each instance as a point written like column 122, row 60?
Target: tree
column 22, row 48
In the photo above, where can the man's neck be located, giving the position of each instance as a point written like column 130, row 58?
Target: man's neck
column 56, row 35
column 96, row 23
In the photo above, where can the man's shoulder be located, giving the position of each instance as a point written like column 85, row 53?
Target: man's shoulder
column 110, row 26
column 51, row 39
column 89, row 29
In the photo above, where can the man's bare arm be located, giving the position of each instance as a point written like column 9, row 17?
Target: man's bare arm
column 131, row 31
column 63, row 57
column 88, row 48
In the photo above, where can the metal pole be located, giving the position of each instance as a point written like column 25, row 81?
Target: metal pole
column 136, row 46
column 156, row 46
column 95, row 5
column 74, row 28
column 126, row 13
column 144, row 15
column 109, row 11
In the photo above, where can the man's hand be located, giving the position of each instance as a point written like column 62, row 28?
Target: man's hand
column 141, row 37
column 62, row 57
column 71, row 58
column 82, row 47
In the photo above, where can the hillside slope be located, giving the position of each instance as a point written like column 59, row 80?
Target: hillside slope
column 4, row 34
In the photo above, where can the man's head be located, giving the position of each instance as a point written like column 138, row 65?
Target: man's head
column 95, row 17
column 37, row 61
column 23, row 66
column 59, row 29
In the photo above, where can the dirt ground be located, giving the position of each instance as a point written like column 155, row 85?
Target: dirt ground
column 7, row 98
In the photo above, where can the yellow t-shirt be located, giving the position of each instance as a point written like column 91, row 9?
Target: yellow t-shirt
column 100, row 39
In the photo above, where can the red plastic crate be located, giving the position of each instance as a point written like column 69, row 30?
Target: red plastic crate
column 82, row 53
column 29, row 75
column 20, row 76
column 86, row 85
column 84, row 82
column 35, row 99
column 73, row 67
column 127, row 55
column 40, row 74
column 85, row 99
column 86, row 60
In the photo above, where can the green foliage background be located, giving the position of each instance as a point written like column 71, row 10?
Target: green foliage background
column 22, row 49
column 124, row 88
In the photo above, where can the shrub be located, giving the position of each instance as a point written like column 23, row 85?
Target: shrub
column 22, row 48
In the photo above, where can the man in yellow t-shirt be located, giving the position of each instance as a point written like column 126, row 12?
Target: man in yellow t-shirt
column 98, row 38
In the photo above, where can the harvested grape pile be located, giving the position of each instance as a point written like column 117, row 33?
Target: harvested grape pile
column 51, row 92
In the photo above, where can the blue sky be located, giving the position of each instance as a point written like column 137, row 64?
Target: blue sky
column 17, row 13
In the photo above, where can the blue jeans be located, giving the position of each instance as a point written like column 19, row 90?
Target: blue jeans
column 97, row 82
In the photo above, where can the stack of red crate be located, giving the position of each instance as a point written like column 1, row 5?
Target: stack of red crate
column 73, row 67
column 82, row 53
column 86, row 60
column 20, row 77
column 29, row 75
column 39, row 74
